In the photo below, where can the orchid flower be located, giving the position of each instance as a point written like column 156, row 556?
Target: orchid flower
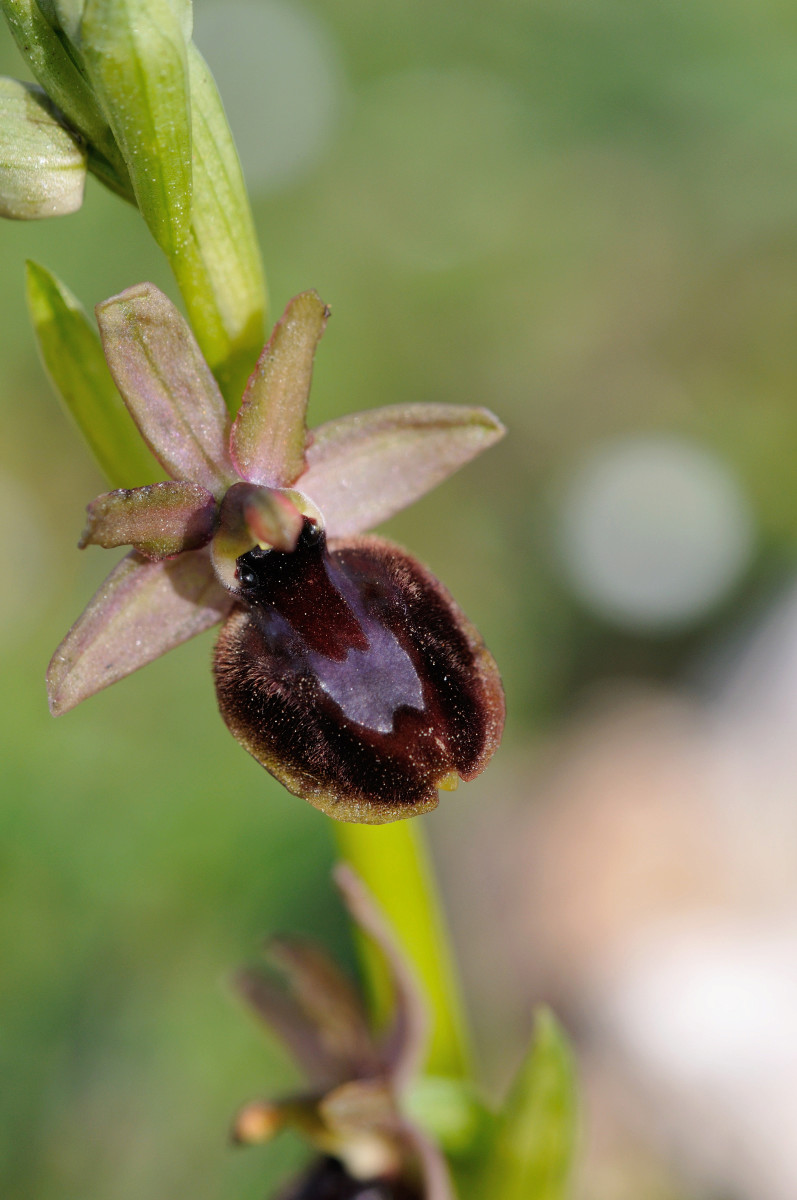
column 343, row 666
column 352, row 1111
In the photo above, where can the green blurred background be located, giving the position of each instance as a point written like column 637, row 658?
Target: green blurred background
column 580, row 213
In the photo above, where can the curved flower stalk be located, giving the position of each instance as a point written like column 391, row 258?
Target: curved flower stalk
column 343, row 666
column 352, row 1112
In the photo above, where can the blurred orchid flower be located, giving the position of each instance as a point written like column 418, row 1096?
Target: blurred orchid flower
column 351, row 1112
column 343, row 666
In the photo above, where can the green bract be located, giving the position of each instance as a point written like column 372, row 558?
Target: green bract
column 74, row 360
column 534, row 1140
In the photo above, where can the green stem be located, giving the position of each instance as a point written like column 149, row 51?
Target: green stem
column 394, row 863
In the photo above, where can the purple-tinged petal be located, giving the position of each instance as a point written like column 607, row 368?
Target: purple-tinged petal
column 167, row 385
column 283, row 1017
column 330, row 1001
column 365, row 467
column 268, row 435
column 251, row 516
column 403, row 1044
column 142, row 610
column 318, row 1015
column 159, row 520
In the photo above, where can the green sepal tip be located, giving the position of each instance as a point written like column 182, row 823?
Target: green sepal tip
column 74, row 361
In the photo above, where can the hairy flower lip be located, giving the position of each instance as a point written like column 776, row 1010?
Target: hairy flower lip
column 297, row 691
column 255, row 482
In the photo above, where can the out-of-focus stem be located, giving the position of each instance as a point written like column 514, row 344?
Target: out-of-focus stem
column 394, row 863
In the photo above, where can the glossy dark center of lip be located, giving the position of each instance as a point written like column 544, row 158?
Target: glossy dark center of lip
column 307, row 604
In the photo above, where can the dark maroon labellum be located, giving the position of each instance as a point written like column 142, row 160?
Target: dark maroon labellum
column 328, row 1180
column 351, row 675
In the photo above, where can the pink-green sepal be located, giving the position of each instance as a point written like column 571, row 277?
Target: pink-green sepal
column 159, row 520
column 268, row 435
column 167, row 385
column 366, row 467
column 142, row 610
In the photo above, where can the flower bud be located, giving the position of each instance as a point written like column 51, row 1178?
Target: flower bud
column 42, row 164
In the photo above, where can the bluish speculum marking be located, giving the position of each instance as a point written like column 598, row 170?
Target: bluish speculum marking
column 351, row 675
column 371, row 685
column 308, row 605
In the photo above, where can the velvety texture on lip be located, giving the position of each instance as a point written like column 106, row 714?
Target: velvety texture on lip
column 348, row 672
column 328, row 1180
column 351, row 675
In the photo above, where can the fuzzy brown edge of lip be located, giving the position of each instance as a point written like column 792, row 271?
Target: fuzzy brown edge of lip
column 333, row 802
column 493, row 690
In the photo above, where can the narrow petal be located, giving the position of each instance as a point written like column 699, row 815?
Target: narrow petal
column 330, row 1001
column 142, row 610
column 283, row 1017
column 404, row 1041
column 167, row 385
column 159, row 520
column 251, row 516
column 365, row 467
column 318, row 1015
column 268, row 436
